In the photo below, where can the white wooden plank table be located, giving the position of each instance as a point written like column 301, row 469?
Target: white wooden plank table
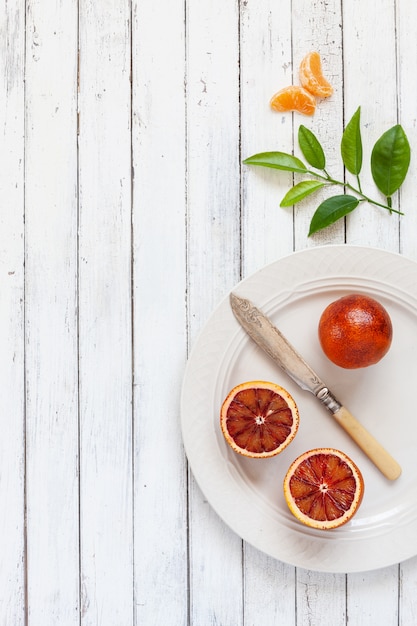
column 126, row 215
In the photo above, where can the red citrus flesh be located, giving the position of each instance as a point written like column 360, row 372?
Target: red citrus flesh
column 259, row 419
column 323, row 488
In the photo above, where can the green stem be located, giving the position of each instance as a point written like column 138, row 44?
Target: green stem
column 359, row 192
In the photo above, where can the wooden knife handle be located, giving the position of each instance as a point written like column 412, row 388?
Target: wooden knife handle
column 377, row 453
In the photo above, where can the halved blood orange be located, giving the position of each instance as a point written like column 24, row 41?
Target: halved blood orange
column 294, row 98
column 259, row 419
column 323, row 488
column 311, row 76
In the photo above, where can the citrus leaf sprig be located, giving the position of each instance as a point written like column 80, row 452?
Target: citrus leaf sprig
column 390, row 159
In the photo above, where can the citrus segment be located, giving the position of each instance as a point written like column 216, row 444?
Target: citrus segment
column 294, row 98
column 259, row 419
column 323, row 488
column 311, row 76
column 355, row 331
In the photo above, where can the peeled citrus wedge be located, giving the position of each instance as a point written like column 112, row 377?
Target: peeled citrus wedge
column 259, row 419
column 323, row 488
column 294, row 98
column 311, row 76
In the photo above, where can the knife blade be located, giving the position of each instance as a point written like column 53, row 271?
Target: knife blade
column 261, row 330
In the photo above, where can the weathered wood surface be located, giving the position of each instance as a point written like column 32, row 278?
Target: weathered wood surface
column 126, row 215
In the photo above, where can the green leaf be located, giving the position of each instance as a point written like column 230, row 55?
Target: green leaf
column 277, row 160
column 351, row 146
column 390, row 159
column 331, row 210
column 300, row 191
column 311, row 148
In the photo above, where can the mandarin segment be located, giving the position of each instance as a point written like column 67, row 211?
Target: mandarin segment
column 312, row 78
column 294, row 98
column 259, row 419
column 323, row 488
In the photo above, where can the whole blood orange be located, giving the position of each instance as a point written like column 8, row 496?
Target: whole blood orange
column 323, row 488
column 259, row 419
column 355, row 331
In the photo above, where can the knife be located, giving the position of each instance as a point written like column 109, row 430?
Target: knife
column 273, row 342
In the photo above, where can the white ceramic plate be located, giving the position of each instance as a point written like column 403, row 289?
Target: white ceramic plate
column 247, row 493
